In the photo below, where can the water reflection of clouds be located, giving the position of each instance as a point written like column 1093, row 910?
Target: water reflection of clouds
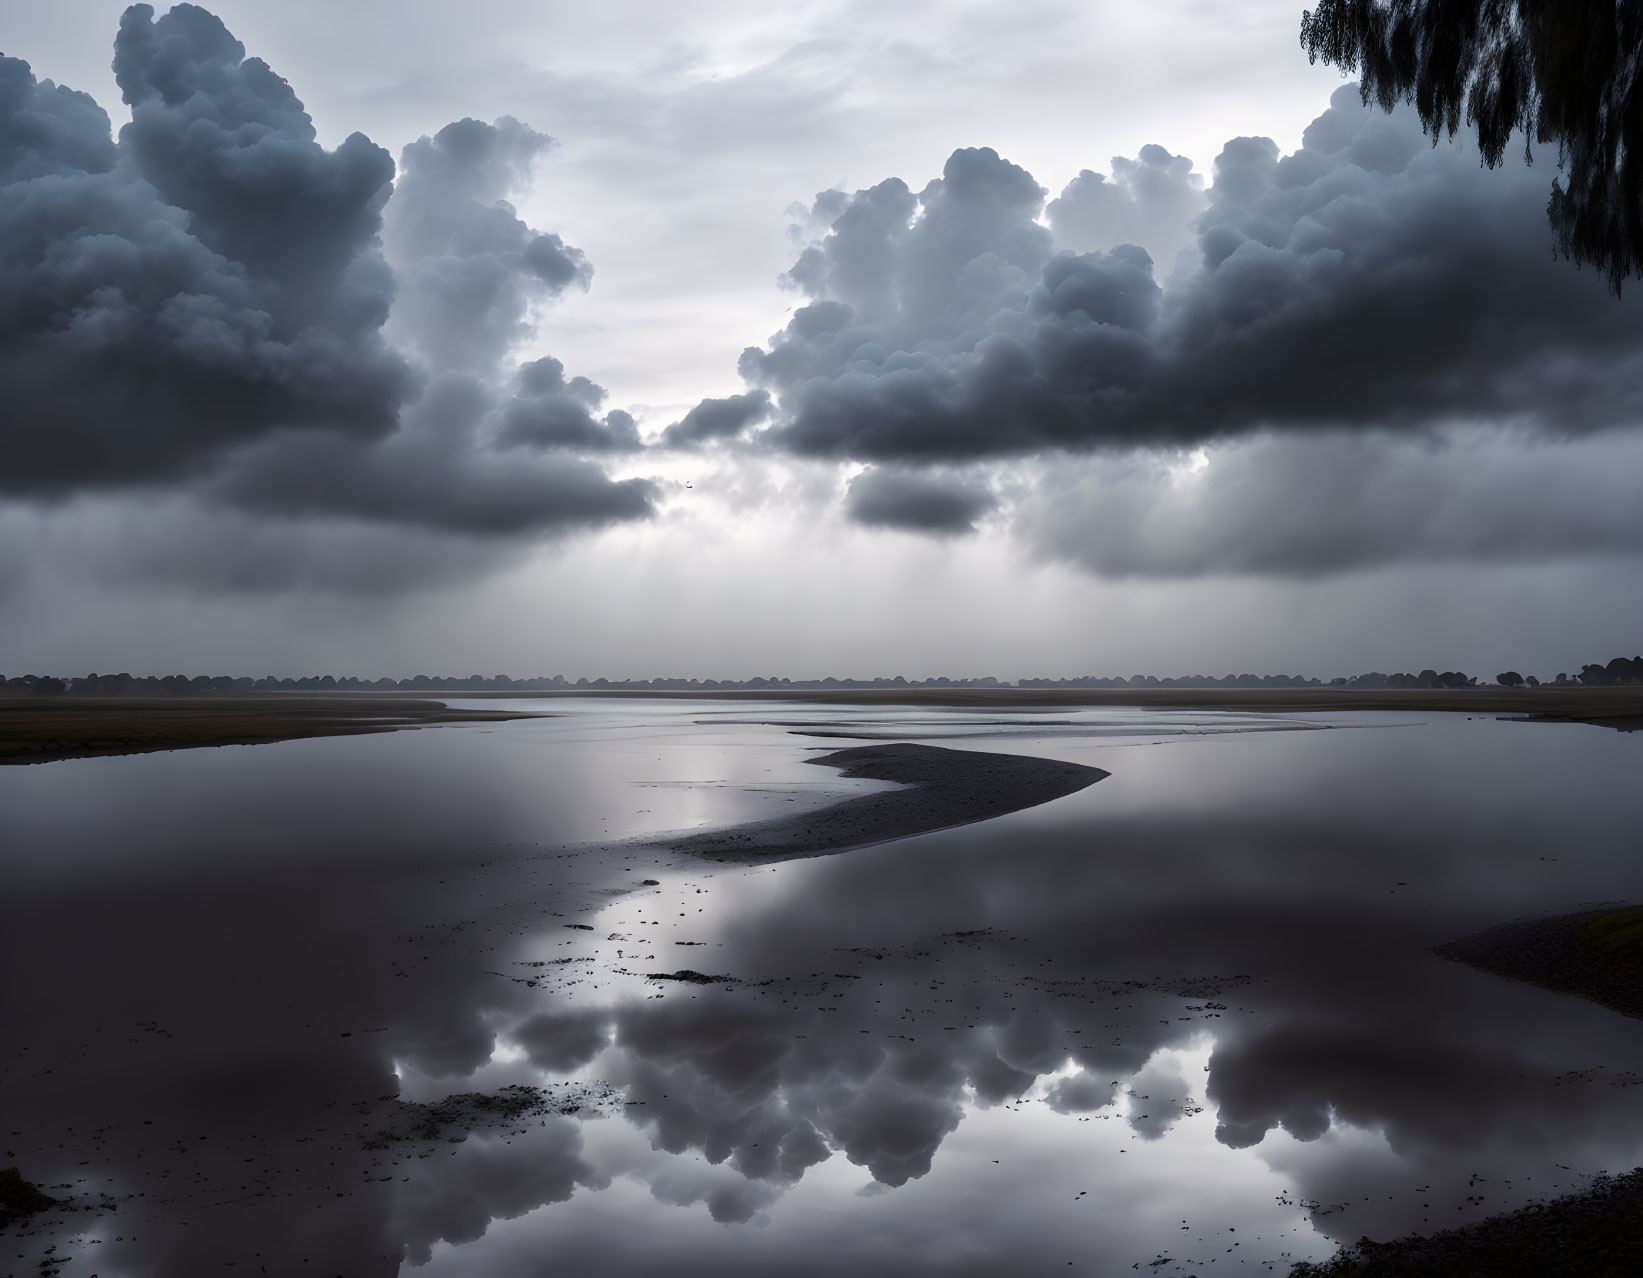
column 1009, row 1193
column 1263, row 907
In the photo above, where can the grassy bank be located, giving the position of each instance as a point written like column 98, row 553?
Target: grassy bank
column 42, row 729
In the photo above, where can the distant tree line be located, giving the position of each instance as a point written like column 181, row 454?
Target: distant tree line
column 127, row 685
column 1177, row 681
column 1618, row 671
column 1425, row 679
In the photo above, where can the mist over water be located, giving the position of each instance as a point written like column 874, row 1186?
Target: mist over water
column 1186, row 1019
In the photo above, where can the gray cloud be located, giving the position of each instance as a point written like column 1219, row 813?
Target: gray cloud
column 205, row 305
column 431, row 475
column 181, row 545
column 222, row 136
column 1158, row 1098
column 1367, row 280
column 1151, row 201
column 468, row 268
column 564, row 1041
column 144, row 328
column 547, row 411
column 718, row 419
column 729, row 1199
column 1080, row 1093
column 435, row 472
column 455, row 1199
column 1304, row 506
column 880, row 498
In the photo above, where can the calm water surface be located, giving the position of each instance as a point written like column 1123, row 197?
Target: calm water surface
column 268, row 1009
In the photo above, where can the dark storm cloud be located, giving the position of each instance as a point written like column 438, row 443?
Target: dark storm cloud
column 1367, row 280
column 548, row 412
column 209, row 280
column 718, row 419
column 881, row 498
column 222, row 136
column 435, row 471
column 202, row 306
column 1308, row 505
column 564, row 1041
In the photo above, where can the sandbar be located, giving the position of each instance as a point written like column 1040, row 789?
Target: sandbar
column 941, row 788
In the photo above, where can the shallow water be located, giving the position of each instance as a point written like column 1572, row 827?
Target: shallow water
column 1184, row 1020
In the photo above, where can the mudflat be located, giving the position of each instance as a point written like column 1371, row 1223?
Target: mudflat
column 42, row 729
column 1565, row 952
column 1595, row 1232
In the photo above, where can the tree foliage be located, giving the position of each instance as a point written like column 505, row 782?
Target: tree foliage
column 1558, row 71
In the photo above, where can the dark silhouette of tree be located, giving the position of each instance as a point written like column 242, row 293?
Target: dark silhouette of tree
column 1509, row 679
column 1561, row 71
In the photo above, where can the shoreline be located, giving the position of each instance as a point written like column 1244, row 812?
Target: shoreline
column 1593, row 1231
column 1620, row 706
column 1556, row 953
column 941, row 788
column 50, row 729
column 42, row 729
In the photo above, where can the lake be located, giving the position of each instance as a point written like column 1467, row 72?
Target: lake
column 354, row 1005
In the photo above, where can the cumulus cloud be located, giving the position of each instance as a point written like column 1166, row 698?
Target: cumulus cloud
column 468, row 268
column 547, row 411
column 209, row 279
column 1151, row 201
column 911, row 502
column 1366, row 280
column 205, row 306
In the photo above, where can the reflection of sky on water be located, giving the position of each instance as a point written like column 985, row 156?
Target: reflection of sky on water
column 1190, row 1011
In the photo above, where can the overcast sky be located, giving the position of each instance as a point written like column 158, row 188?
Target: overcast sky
column 723, row 339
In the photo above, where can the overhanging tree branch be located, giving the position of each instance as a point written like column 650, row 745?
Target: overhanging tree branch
column 1558, row 71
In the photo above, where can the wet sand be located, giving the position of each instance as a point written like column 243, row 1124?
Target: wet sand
column 43, row 729
column 943, row 788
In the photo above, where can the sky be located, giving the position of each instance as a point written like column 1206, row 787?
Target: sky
column 732, row 339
